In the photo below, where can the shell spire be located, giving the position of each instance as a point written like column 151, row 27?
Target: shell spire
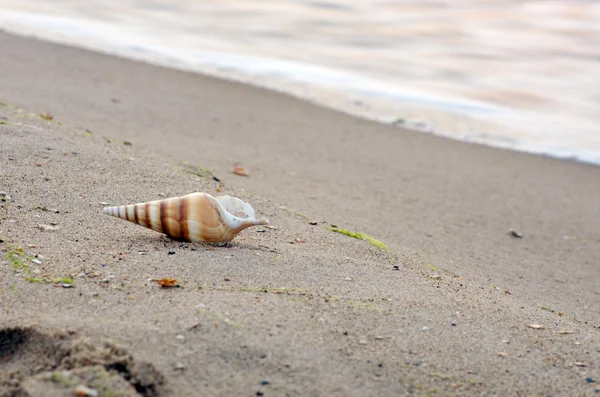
column 196, row 217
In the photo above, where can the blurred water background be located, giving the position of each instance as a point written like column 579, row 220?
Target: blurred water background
column 522, row 74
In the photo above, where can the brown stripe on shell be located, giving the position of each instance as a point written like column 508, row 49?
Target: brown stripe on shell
column 135, row 213
column 163, row 212
column 184, row 207
column 148, row 217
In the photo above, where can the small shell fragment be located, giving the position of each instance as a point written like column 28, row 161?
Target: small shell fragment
column 535, row 326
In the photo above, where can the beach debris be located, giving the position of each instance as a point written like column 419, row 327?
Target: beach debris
column 180, row 337
column 48, row 227
column 239, row 170
column 395, row 267
column 362, row 342
column 589, row 379
column 505, row 341
column 516, row 234
column 171, row 253
column 84, row 391
column 348, row 279
column 580, row 364
column 196, row 217
column 167, row 283
column 314, row 223
column 127, row 143
column 564, row 332
column 300, row 241
column 271, row 227
column 179, row 366
column 46, row 116
column 103, row 203
column 36, row 261
column 535, row 326
column 502, row 354
column 361, row 236
column 425, row 329
column 436, row 277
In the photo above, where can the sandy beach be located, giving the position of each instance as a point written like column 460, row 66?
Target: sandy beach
column 458, row 305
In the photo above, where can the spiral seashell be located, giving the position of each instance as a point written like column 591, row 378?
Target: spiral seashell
column 195, row 217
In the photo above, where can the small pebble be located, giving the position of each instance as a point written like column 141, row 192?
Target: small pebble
column 505, row 341
column 37, row 261
column 314, row 223
column 180, row 337
column 84, row 391
column 103, row 203
column 362, row 342
column 66, row 285
column 436, row 277
column 425, row 329
column 348, row 279
column 171, row 252
column 502, row 354
column 580, row 364
column 179, row 366
column 516, row 234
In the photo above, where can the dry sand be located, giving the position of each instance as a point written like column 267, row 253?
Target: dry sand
column 445, row 311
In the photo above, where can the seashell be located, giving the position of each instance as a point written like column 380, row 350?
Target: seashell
column 195, row 217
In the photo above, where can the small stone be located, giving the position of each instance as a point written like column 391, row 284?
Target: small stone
column 348, row 279
column 55, row 210
column 66, row 285
column 580, row 364
column 161, row 194
column 103, row 203
column 314, row 223
column 362, row 342
column 31, row 246
column 425, row 329
column 436, row 277
column 535, row 326
column 171, row 252
column 516, row 234
column 48, row 227
column 505, row 341
column 84, row 391
column 37, row 261
column 179, row 366
column 502, row 354
column 180, row 337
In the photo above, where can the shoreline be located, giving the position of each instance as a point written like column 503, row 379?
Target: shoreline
column 453, row 307
column 492, row 125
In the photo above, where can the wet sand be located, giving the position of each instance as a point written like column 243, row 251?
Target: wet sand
column 445, row 311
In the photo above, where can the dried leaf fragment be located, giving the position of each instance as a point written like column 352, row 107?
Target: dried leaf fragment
column 535, row 326
column 46, row 116
column 167, row 283
column 239, row 170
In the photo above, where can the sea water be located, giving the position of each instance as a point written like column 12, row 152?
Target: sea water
column 522, row 74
